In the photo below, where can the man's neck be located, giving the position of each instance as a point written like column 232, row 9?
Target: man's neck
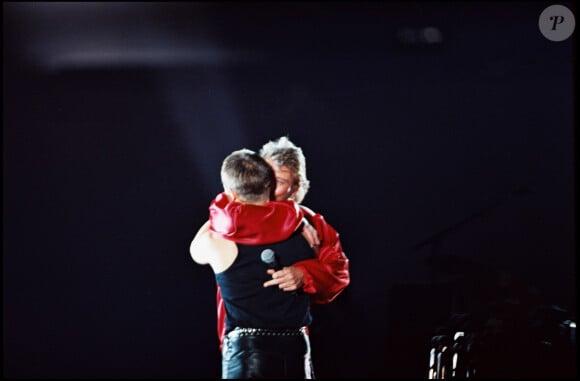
column 258, row 203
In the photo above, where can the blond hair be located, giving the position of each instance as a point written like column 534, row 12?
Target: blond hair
column 285, row 153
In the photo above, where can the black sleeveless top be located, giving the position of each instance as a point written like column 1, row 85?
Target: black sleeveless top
column 251, row 305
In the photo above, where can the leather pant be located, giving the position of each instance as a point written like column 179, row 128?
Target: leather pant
column 267, row 353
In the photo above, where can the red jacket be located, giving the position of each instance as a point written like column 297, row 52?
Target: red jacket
column 325, row 276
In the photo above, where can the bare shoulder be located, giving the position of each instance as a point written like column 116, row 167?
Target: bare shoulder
column 208, row 247
column 200, row 243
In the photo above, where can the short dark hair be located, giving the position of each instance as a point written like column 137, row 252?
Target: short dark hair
column 249, row 175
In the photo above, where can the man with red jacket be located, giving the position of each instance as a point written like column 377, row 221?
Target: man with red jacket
column 323, row 277
column 328, row 274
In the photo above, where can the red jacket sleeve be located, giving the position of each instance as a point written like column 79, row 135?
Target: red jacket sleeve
column 328, row 274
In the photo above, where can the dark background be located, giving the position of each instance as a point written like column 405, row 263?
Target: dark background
column 444, row 157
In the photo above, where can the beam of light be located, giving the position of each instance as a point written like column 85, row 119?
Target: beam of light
column 152, row 57
column 201, row 106
column 62, row 36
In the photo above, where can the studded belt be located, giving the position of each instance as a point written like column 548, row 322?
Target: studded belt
column 238, row 331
